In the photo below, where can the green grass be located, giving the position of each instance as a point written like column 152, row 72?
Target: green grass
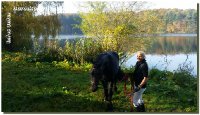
column 27, row 87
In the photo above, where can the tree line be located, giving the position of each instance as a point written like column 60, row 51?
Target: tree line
column 178, row 20
column 174, row 21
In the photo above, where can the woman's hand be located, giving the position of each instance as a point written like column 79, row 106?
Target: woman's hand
column 137, row 89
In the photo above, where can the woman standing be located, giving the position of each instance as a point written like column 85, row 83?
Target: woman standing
column 140, row 77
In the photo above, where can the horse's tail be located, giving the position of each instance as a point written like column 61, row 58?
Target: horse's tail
column 113, row 64
column 108, row 63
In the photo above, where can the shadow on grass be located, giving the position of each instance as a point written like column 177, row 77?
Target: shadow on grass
column 56, row 102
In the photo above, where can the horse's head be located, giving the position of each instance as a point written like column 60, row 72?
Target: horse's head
column 95, row 77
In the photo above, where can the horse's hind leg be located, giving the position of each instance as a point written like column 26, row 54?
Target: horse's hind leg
column 108, row 95
column 105, row 87
column 110, row 91
column 109, row 106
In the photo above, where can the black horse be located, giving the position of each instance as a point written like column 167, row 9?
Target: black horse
column 106, row 69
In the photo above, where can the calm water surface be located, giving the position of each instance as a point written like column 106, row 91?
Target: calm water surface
column 170, row 52
column 168, row 62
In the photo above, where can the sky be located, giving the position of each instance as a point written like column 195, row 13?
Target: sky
column 71, row 6
column 181, row 4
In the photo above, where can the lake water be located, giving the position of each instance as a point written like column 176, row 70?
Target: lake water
column 168, row 62
column 170, row 52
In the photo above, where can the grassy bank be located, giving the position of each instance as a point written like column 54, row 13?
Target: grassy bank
column 48, row 87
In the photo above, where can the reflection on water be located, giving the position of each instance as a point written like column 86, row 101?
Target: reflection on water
column 173, row 45
column 167, row 62
column 171, row 52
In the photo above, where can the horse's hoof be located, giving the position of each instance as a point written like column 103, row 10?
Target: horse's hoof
column 110, row 111
column 110, row 107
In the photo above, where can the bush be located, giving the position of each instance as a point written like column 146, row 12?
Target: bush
column 64, row 64
column 158, row 75
column 73, row 66
column 128, row 70
column 180, row 85
column 50, row 54
column 183, row 79
column 17, row 57
column 82, row 50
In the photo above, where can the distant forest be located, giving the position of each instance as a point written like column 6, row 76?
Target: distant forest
column 174, row 21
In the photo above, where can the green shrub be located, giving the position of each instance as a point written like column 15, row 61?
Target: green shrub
column 183, row 79
column 128, row 70
column 17, row 57
column 158, row 75
column 82, row 50
column 50, row 54
column 73, row 66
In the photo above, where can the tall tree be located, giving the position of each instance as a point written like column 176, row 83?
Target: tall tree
column 48, row 24
column 118, row 25
column 25, row 24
